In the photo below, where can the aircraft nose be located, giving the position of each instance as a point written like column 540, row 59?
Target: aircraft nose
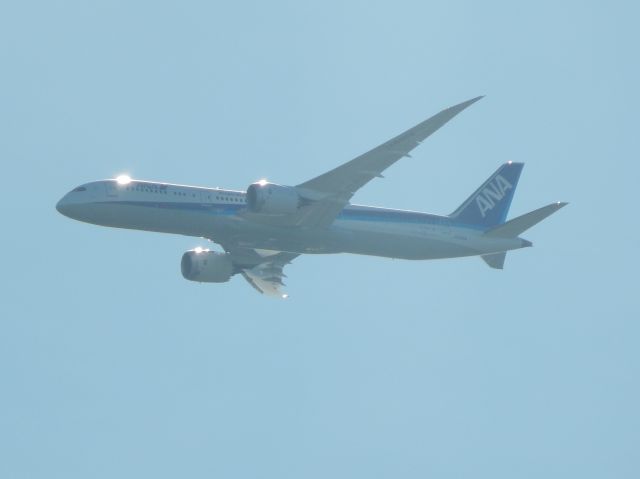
column 63, row 206
column 75, row 204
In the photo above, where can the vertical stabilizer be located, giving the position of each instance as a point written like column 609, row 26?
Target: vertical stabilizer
column 488, row 205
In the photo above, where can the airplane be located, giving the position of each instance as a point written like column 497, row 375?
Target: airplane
column 264, row 228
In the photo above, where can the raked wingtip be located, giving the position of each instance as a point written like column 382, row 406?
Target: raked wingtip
column 461, row 106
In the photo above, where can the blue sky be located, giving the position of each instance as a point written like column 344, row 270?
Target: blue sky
column 112, row 365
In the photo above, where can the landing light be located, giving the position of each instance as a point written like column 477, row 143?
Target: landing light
column 263, row 182
column 123, row 179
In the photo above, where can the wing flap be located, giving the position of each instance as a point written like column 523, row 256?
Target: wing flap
column 269, row 286
column 262, row 269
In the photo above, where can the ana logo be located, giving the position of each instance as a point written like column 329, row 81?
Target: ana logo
column 492, row 194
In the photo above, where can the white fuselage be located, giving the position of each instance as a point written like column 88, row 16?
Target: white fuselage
column 220, row 215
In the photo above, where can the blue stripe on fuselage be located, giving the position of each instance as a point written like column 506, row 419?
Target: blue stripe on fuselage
column 357, row 213
column 215, row 208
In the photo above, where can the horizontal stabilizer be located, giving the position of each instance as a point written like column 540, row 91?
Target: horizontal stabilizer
column 516, row 226
column 495, row 260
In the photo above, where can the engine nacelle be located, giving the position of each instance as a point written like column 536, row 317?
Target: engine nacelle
column 271, row 199
column 206, row 266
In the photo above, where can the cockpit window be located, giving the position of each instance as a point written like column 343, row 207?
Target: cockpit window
column 80, row 188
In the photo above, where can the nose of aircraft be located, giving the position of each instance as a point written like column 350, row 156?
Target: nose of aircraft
column 77, row 203
column 63, row 205
column 73, row 203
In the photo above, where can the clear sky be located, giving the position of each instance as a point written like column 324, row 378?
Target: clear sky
column 112, row 365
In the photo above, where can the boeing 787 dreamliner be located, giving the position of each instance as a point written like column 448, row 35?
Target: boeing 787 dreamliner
column 264, row 228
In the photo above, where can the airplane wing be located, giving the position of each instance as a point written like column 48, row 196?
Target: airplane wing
column 325, row 196
column 262, row 269
column 330, row 192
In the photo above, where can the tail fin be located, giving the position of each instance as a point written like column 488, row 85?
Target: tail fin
column 488, row 205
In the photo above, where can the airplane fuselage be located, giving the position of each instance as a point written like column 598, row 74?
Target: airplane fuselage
column 221, row 215
column 265, row 228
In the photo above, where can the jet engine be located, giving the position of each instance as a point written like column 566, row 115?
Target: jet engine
column 271, row 199
column 206, row 266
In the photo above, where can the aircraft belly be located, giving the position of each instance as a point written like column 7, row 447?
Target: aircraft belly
column 392, row 240
column 147, row 218
column 289, row 239
column 400, row 240
column 210, row 224
column 404, row 247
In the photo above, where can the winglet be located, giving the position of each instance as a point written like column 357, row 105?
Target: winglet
column 467, row 103
column 439, row 119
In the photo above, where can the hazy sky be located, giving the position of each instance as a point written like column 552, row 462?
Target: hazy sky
column 112, row 365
